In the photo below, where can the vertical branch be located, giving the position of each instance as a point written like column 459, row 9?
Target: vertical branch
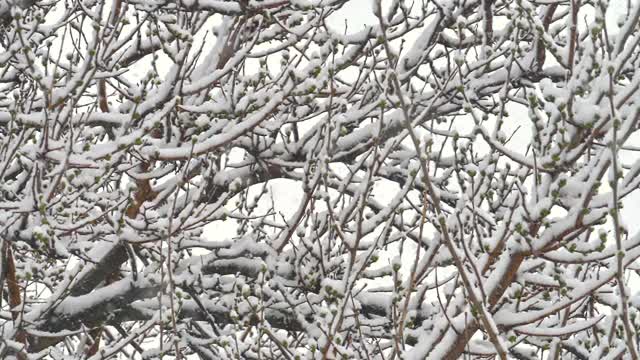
column 573, row 41
column 615, row 214
column 13, row 287
column 102, row 96
column 102, row 83
column 488, row 22
column 104, row 107
column 546, row 22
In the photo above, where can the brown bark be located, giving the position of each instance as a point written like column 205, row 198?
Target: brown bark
column 15, row 298
column 102, row 84
column 541, row 50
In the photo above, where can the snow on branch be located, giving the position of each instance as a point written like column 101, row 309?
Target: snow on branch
column 275, row 180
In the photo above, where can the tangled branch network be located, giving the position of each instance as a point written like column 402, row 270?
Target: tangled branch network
column 210, row 179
